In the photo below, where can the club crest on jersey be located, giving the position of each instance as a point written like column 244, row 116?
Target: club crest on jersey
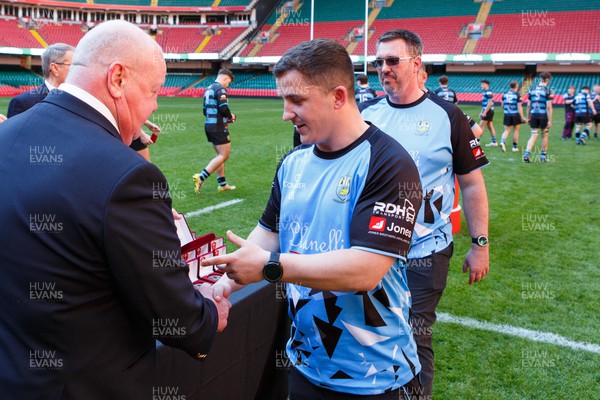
column 423, row 127
column 343, row 189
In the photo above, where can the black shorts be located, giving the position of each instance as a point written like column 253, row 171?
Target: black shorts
column 512, row 120
column 301, row 388
column 538, row 122
column 218, row 138
column 583, row 119
column 489, row 116
column 596, row 118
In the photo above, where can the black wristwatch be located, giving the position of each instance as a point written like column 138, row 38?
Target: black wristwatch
column 480, row 241
column 272, row 271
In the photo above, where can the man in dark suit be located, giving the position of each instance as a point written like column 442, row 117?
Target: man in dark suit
column 90, row 264
column 56, row 60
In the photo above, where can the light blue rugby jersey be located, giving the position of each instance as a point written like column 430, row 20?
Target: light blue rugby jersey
column 365, row 197
column 437, row 136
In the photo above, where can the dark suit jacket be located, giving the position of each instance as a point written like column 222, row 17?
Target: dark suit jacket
column 25, row 101
column 90, row 265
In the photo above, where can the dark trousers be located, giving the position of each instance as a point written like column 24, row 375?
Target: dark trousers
column 569, row 124
column 302, row 389
column 427, row 281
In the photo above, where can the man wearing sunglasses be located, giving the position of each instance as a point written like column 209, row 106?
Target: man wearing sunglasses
column 437, row 135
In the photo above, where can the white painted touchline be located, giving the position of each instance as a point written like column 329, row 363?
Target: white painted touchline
column 207, row 210
column 535, row 336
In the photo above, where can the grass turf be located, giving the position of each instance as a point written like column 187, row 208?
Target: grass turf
column 544, row 229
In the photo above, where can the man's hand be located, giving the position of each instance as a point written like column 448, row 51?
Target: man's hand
column 477, row 262
column 145, row 138
column 244, row 265
column 223, row 304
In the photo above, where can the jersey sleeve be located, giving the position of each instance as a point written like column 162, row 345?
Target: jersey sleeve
column 222, row 103
column 384, row 216
column 467, row 154
column 270, row 217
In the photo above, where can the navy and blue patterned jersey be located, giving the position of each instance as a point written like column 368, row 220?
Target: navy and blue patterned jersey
column 216, row 108
column 510, row 101
column 437, row 136
column 569, row 108
column 539, row 97
column 364, row 94
column 365, row 196
column 581, row 103
column 446, row 94
column 487, row 98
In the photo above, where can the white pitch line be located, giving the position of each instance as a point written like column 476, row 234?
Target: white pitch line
column 535, row 336
column 207, row 210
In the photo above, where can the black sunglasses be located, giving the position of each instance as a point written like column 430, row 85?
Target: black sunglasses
column 390, row 61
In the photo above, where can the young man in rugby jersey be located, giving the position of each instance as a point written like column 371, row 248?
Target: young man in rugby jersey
column 363, row 90
column 539, row 115
column 444, row 91
column 513, row 115
column 487, row 111
column 337, row 229
column 218, row 116
column 584, row 110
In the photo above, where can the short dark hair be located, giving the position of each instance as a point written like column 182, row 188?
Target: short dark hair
column 513, row 84
column 54, row 54
column 226, row 72
column 585, row 87
column 414, row 44
column 443, row 80
column 362, row 79
column 545, row 76
column 485, row 81
column 322, row 62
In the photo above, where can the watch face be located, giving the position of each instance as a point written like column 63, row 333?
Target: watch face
column 482, row 241
column 272, row 272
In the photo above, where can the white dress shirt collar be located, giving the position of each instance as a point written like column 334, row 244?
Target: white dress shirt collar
column 89, row 100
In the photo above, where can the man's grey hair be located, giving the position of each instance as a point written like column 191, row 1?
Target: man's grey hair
column 54, row 54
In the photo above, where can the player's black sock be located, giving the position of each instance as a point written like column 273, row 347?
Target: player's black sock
column 514, row 145
column 222, row 181
column 204, row 174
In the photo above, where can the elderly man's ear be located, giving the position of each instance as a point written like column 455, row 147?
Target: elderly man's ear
column 116, row 79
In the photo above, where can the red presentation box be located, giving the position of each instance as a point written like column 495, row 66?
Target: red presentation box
column 195, row 249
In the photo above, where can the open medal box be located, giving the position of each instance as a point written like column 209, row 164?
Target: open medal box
column 194, row 249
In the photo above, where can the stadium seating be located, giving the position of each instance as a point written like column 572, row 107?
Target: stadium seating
column 430, row 8
column 180, row 40
column 15, row 36
column 19, row 78
column 61, row 33
column 429, row 29
column 508, row 7
column 555, row 32
column 222, row 38
column 560, row 82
